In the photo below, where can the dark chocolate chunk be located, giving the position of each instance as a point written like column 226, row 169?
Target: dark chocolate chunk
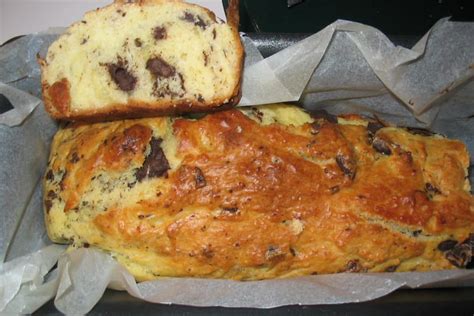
column 354, row 266
column 159, row 33
column 138, row 42
column 198, row 21
column 160, row 68
column 50, row 175
column 315, row 128
column 199, row 178
column 52, row 194
column 48, row 205
column 231, row 210
column 347, row 165
column 460, row 255
column 258, row 113
column 156, row 164
column 74, row 157
column 391, row 268
column 373, row 127
column 323, row 114
column 447, row 245
column 122, row 77
column 189, row 17
column 429, row 188
column 63, row 179
column 381, row 146
column 86, row 245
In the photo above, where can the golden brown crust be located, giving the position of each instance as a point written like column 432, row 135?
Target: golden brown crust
column 134, row 109
column 244, row 200
column 233, row 17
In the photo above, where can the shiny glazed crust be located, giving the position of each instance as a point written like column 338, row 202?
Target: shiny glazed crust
column 260, row 193
column 60, row 82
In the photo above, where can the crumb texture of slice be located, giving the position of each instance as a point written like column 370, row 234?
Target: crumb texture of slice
column 142, row 58
column 263, row 192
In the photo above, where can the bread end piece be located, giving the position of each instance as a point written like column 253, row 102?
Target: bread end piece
column 178, row 59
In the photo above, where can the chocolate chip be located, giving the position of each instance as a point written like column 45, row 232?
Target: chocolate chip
column 63, row 179
column 373, row 127
column 160, row 68
column 156, row 164
column 198, row 21
column 416, row 233
column 258, row 113
column 323, row 114
column 447, row 245
column 199, row 178
column 74, row 158
column 159, row 33
column 86, row 245
column 189, row 17
column 460, row 255
column 138, row 42
column 48, row 204
column 354, row 266
column 347, row 165
column 51, row 194
column 122, row 77
column 231, row 210
column 391, row 268
column 50, row 175
column 381, row 146
column 429, row 188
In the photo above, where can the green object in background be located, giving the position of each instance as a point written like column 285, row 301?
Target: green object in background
column 401, row 17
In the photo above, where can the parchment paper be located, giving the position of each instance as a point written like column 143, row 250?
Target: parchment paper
column 347, row 67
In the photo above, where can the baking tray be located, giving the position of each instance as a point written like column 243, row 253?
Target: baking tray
column 452, row 301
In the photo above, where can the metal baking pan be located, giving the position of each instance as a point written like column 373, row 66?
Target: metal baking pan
column 444, row 301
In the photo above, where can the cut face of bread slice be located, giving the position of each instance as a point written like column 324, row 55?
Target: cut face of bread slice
column 143, row 58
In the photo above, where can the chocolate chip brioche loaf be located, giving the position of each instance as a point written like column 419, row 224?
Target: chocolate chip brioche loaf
column 143, row 58
column 260, row 193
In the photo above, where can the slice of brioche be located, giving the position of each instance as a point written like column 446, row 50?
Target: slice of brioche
column 143, row 58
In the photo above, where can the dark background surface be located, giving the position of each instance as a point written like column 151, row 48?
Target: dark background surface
column 404, row 21
column 401, row 17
